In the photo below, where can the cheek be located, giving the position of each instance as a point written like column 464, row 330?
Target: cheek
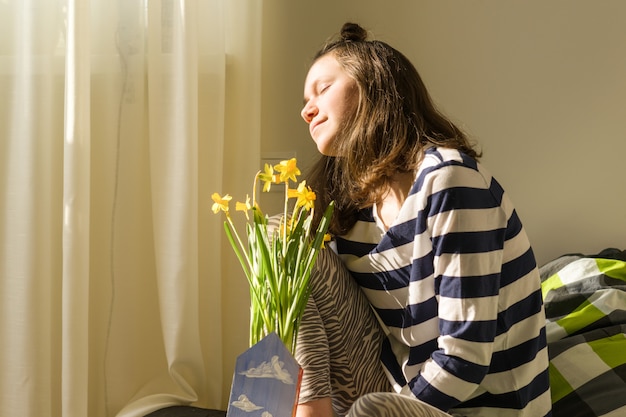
column 349, row 107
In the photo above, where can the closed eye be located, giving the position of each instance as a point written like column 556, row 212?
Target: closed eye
column 321, row 88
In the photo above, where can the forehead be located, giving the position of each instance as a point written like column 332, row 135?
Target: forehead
column 325, row 67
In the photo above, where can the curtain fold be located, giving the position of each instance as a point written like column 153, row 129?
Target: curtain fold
column 75, row 253
column 118, row 120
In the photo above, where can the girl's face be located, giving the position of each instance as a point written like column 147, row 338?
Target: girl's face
column 330, row 98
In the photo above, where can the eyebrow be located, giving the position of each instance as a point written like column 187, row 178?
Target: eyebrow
column 316, row 82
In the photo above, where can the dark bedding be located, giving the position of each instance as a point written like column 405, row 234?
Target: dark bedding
column 585, row 301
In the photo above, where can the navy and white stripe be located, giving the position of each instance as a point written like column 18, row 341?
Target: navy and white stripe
column 455, row 284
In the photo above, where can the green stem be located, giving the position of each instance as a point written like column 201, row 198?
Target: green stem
column 285, row 218
column 232, row 243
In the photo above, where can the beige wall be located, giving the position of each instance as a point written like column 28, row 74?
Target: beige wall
column 541, row 85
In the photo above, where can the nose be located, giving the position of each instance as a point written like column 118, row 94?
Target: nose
column 309, row 111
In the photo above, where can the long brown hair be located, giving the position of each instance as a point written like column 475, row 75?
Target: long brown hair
column 393, row 123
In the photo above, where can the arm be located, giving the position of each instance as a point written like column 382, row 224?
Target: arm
column 467, row 227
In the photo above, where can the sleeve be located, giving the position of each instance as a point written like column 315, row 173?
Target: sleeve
column 467, row 229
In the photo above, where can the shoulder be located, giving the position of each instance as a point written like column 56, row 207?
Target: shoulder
column 445, row 168
column 438, row 157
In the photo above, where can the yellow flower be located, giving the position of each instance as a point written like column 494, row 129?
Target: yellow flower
column 327, row 238
column 305, row 196
column 268, row 177
column 277, row 261
column 244, row 206
column 221, row 203
column 288, row 170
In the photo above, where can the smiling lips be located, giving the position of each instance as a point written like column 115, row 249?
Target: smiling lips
column 314, row 125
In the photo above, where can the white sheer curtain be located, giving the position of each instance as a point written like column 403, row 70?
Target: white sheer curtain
column 118, row 119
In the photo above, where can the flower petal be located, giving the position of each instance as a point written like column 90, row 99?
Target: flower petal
column 288, row 170
column 220, row 203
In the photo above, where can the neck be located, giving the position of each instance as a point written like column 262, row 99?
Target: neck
column 399, row 186
column 389, row 205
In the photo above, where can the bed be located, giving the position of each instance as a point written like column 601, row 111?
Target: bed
column 585, row 302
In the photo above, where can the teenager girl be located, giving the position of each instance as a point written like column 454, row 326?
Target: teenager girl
column 452, row 320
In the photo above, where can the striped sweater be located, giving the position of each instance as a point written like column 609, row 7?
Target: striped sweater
column 455, row 284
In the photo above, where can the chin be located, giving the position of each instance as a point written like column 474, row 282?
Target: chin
column 326, row 152
column 325, row 148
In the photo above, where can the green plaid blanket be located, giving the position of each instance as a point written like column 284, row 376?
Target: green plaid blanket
column 585, row 305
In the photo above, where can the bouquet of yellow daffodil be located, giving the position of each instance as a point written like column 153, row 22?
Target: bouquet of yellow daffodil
column 277, row 261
